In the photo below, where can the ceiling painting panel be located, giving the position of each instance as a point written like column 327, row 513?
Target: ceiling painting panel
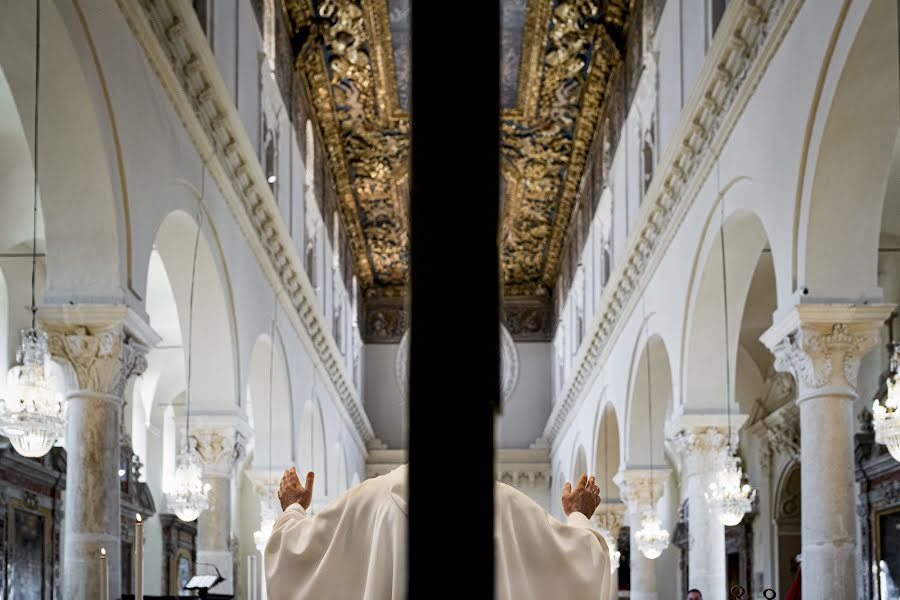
column 557, row 59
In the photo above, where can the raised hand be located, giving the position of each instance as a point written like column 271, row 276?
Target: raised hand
column 291, row 490
column 585, row 498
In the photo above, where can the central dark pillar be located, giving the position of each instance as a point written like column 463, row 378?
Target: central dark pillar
column 454, row 353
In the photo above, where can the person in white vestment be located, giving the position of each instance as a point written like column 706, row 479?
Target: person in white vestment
column 355, row 548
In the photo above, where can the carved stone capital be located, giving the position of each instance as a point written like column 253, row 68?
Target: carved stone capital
column 821, row 345
column 220, row 442
column 641, row 488
column 610, row 516
column 782, row 431
column 104, row 344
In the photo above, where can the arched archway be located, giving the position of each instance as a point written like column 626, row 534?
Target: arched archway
column 787, row 524
column 215, row 379
column 606, row 453
column 649, row 406
column 311, row 448
column 269, row 404
column 707, row 357
column 853, row 133
column 88, row 253
column 579, row 464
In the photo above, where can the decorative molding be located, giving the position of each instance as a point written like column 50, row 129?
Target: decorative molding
column 823, row 344
column 746, row 40
column 529, row 318
column 178, row 51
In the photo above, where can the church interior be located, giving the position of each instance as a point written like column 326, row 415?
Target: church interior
column 205, row 266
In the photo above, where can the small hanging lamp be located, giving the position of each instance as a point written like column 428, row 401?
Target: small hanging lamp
column 189, row 496
column 728, row 496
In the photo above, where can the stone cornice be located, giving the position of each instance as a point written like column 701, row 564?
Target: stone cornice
column 178, row 51
column 747, row 39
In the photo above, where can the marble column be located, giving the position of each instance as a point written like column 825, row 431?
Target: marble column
column 609, row 517
column 636, row 486
column 220, row 443
column 702, row 441
column 104, row 345
column 822, row 345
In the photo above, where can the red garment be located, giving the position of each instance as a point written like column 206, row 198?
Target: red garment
column 794, row 592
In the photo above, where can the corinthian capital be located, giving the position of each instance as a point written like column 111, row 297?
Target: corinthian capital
column 610, row 516
column 822, row 344
column 104, row 344
column 220, row 442
column 641, row 488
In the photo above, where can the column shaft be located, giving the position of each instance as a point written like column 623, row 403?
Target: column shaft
column 92, row 498
column 643, row 570
column 822, row 346
column 214, row 533
column 828, row 527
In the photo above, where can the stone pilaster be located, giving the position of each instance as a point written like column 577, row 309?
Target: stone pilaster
column 822, row 346
column 103, row 345
column 220, row 444
column 641, row 489
column 703, row 442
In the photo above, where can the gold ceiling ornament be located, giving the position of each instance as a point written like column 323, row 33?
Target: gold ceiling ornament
column 570, row 50
column 366, row 141
column 546, row 140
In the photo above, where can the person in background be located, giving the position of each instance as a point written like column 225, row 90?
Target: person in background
column 694, row 594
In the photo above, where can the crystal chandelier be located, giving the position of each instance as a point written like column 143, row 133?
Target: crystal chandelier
column 189, row 496
column 886, row 418
column 727, row 498
column 33, row 417
column 651, row 538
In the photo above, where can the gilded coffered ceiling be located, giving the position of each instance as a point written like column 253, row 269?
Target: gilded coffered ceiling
column 557, row 60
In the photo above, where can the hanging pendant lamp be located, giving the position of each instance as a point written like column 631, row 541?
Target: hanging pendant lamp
column 189, row 495
column 33, row 416
column 652, row 538
column 728, row 496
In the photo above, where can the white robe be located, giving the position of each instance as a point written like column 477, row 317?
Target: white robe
column 355, row 548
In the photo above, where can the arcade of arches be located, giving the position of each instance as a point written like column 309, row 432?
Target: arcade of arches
column 700, row 246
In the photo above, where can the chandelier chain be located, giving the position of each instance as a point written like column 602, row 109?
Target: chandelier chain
column 725, row 308
column 190, row 337
column 37, row 96
column 649, row 394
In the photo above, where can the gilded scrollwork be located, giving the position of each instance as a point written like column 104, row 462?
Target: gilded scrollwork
column 570, row 50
